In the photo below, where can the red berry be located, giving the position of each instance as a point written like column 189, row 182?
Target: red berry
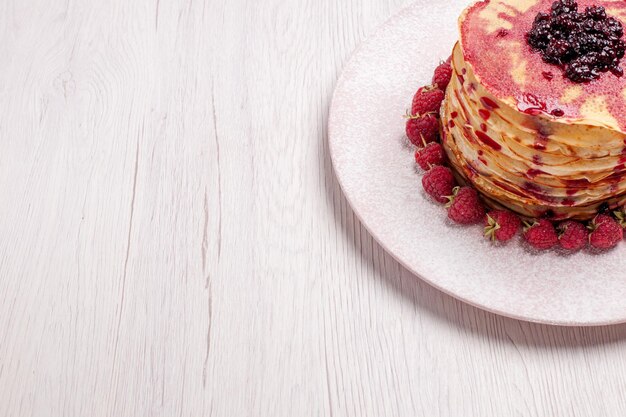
column 602, row 218
column 606, row 232
column 422, row 130
column 541, row 235
column 573, row 235
column 442, row 76
column 427, row 100
column 431, row 155
column 465, row 206
column 501, row 225
column 438, row 183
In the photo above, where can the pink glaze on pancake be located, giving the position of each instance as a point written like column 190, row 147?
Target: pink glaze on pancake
column 493, row 38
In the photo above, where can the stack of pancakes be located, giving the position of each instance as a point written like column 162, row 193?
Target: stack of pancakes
column 523, row 134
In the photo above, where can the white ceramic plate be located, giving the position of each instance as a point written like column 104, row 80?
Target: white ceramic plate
column 377, row 172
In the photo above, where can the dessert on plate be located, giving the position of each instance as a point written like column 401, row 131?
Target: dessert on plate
column 532, row 119
column 535, row 112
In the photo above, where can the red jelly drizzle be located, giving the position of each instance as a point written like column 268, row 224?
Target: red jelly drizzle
column 531, row 104
column 529, row 186
column 451, row 123
column 483, row 127
column 489, row 103
column 532, row 173
column 472, row 170
column 488, row 141
column 537, row 192
column 468, row 135
column 485, row 114
column 454, row 115
column 568, row 202
column 541, row 142
column 581, row 183
column 502, row 33
column 615, row 178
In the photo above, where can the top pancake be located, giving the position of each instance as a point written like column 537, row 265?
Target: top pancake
column 493, row 38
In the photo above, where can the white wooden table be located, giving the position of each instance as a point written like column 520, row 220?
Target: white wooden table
column 174, row 241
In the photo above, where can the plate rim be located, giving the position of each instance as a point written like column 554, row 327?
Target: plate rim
column 341, row 80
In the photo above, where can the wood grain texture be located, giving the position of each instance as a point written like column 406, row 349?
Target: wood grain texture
column 175, row 242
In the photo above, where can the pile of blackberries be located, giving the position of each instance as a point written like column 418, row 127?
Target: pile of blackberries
column 584, row 44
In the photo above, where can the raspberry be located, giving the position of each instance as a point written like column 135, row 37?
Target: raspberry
column 464, row 206
column 438, row 183
column 501, row 225
column 606, row 232
column 422, row 130
column 442, row 75
column 602, row 218
column 427, row 100
column 541, row 234
column 573, row 235
column 431, row 155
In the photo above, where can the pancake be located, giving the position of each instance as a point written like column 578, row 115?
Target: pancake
column 528, row 138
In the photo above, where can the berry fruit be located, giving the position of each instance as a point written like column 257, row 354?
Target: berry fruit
column 427, row 100
column 584, row 44
column 422, row 130
column 606, row 232
column 438, row 183
column 541, row 234
column 501, row 225
column 573, row 235
column 442, row 76
column 433, row 154
column 465, row 206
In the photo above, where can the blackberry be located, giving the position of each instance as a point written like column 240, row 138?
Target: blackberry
column 596, row 12
column 564, row 6
column 584, row 45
